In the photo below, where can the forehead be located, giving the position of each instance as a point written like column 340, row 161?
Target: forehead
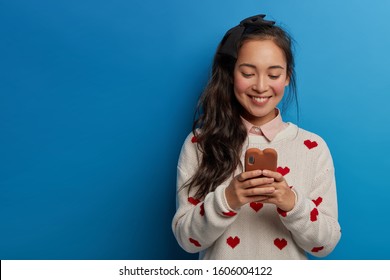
column 261, row 53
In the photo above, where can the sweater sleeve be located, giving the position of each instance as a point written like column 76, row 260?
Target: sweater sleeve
column 314, row 220
column 198, row 223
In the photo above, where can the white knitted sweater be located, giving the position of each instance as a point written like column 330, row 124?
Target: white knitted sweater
column 256, row 230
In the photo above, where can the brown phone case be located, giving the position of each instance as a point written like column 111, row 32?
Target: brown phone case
column 261, row 159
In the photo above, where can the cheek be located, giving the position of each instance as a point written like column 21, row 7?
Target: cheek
column 278, row 87
column 241, row 85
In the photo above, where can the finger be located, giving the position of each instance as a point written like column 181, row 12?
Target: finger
column 260, row 198
column 249, row 175
column 268, row 199
column 273, row 174
column 265, row 190
column 239, row 178
column 257, row 182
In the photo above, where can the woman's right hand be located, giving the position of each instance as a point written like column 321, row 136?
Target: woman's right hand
column 248, row 187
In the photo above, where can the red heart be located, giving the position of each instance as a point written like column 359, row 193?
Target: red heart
column 201, row 209
column 283, row 170
column 195, row 242
column 313, row 215
column 310, row 144
column 317, row 201
column 317, row 249
column 282, row 212
column 194, row 139
column 229, row 214
column 256, row 206
column 233, row 242
column 280, row 243
column 193, row 200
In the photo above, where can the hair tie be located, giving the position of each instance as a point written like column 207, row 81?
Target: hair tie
column 229, row 42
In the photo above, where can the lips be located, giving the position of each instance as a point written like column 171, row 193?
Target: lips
column 260, row 100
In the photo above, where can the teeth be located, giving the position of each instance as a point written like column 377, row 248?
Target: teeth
column 260, row 99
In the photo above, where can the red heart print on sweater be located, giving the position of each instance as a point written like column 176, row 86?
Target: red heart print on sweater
column 194, row 139
column 193, row 200
column 195, row 242
column 310, row 144
column 233, row 242
column 201, row 209
column 317, row 201
column 256, row 206
column 229, row 214
column 283, row 170
column 313, row 215
column 280, row 243
column 317, row 249
column 281, row 212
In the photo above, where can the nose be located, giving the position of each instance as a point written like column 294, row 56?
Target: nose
column 260, row 84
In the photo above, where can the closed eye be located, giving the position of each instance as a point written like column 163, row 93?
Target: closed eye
column 247, row 75
column 274, row 77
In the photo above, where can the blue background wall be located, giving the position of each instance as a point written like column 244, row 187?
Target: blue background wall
column 96, row 98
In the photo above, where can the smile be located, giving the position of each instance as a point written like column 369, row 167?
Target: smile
column 260, row 100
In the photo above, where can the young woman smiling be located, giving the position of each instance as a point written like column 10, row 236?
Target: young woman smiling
column 225, row 212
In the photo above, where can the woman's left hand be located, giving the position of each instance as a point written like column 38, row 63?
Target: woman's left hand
column 283, row 197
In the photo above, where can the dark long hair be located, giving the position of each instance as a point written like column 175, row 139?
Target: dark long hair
column 217, row 124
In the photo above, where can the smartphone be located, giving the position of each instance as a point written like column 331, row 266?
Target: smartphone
column 261, row 159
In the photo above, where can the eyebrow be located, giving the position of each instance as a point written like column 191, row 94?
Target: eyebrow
column 253, row 66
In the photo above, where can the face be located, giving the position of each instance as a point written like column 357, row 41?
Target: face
column 260, row 77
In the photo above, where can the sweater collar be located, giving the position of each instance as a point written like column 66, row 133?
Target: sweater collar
column 268, row 130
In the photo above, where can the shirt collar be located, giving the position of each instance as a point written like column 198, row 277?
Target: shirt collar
column 268, row 130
